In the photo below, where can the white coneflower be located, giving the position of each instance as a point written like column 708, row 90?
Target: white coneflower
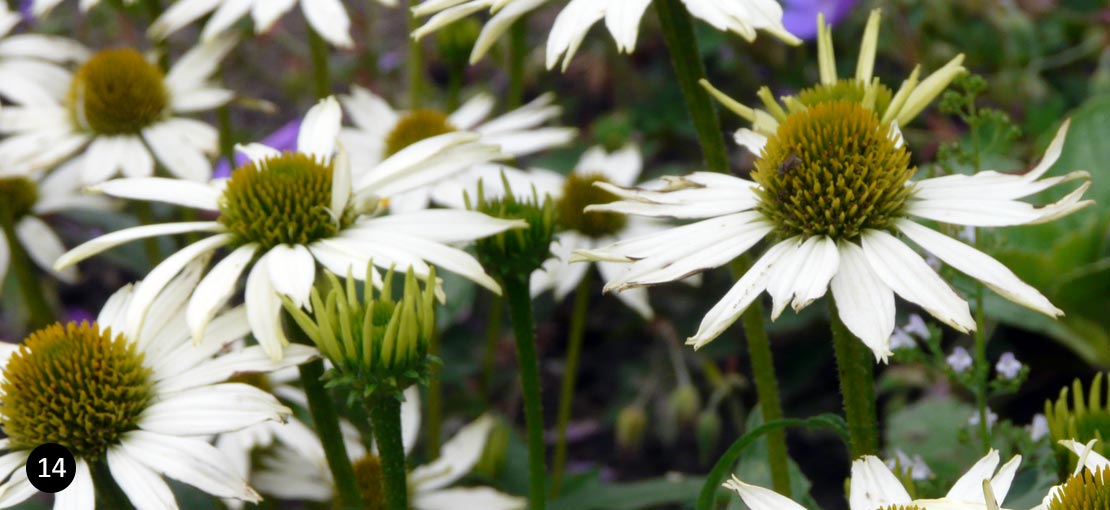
column 134, row 403
column 874, row 487
column 283, row 213
column 28, row 198
column 29, row 63
column 380, row 131
column 832, row 189
column 622, row 18
column 327, row 17
column 120, row 114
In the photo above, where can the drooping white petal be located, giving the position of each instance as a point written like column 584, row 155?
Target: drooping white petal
column 1001, row 482
column 865, row 304
column 80, row 494
column 264, row 309
column 216, row 288
column 173, row 147
column 189, row 460
column 997, row 213
column 248, row 359
column 758, row 498
column 499, row 24
column 193, row 69
column 113, row 239
column 875, row 486
column 292, row 272
column 145, row 489
column 969, row 488
column 329, row 19
column 570, row 29
column 43, row 247
column 180, row 14
column 160, row 189
column 266, row 13
column 211, row 409
column 980, row 266
column 473, row 111
column 780, row 284
column 440, row 225
column 457, row 457
column 910, row 276
column 160, row 276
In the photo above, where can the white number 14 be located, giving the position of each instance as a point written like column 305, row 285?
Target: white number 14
column 59, row 468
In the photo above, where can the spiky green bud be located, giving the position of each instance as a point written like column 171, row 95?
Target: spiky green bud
column 515, row 253
column 379, row 345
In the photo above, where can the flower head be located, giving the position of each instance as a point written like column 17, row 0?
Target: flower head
column 622, row 18
column 832, row 191
column 283, row 213
column 119, row 114
column 516, row 254
column 142, row 401
column 1087, row 487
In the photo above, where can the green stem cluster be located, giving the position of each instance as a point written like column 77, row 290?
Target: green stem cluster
column 385, row 413
column 39, row 312
column 570, row 377
column 520, row 309
column 855, row 367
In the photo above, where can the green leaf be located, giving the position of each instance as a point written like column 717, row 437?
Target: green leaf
column 931, row 428
column 592, row 494
column 755, row 469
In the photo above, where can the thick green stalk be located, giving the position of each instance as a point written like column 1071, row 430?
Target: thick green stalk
column 145, row 214
column 321, row 74
column 415, row 64
column 856, row 368
column 434, row 427
column 520, row 309
column 766, row 383
column 108, row 493
column 493, row 337
column 678, row 31
column 570, row 376
column 326, row 419
column 518, row 51
column 227, row 137
column 385, row 412
column 39, row 313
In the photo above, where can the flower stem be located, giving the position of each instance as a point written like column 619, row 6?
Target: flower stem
column 145, row 214
column 108, row 493
column 385, row 412
column 493, row 337
column 982, row 371
column 855, row 367
column 326, row 420
column 520, row 309
column 570, row 376
column 39, row 313
column 678, row 31
column 518, row 51
column 321, row 76
column 415, row 64
column 435, row 402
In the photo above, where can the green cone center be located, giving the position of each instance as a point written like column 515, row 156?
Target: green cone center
column 579, row 192
column 845, row 89
column 284, row 199
column 76, row 386
column 1084, row 491
column 17, row 196
column 415, row 126
column 117, row 92
column 832, row 170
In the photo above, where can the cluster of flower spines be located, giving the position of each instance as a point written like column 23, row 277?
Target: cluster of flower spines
column 76, row 386
column 1080, row 415
column 516, row 252
column 832, row 170
column 379, row 345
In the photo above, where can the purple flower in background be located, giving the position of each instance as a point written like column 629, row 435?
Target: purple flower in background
column 25, row 10
column 283, row 139
column 800, row 16
column 79, row 315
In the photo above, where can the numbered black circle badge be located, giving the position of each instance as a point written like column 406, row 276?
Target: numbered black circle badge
column 51, row 468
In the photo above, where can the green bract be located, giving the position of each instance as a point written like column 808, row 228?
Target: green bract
column 518, row 252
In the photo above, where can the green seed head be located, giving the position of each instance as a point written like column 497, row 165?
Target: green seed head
column 1083, row 491
column 851, row 90
column 578, row 193
column 415, row 126
column 1081, row 414
column 379, row 345
column 17, row 196
column 117, row 92
column 283, row 200
column 76, row 386
column 832, row 170
column 515, row 253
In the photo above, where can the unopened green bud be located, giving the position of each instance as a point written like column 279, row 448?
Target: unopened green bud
column 613, row 131
column 456, row 40
column 631, row 426
column 685, row 402
column 377, row 344
column 708, row 434
column 496, row 452
column 515, row 253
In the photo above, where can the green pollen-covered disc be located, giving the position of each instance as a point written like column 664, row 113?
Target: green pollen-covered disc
column 117, row 92
column 832, row 170
column 1083, row 491
column 579, row 192
column 285, row 199
column 415, row 126
column 76, row 386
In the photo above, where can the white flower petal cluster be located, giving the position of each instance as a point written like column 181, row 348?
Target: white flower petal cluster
column 191, row 403
column 31, row 69
column 622, row 18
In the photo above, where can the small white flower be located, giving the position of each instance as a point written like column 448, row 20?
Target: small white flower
column 284, row 213
column 1008, row 366
column 991, row 419
column 960, row 360
column 916, row 326
column 327, row 17
column 118, row 114
column 149, row 400
column 622, row 18
column 1039, row 427
column 916, row 466
column 901, row 340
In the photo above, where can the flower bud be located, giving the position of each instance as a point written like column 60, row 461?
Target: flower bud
column 631, row 426
column 685, row 402
column 515, row 253
column 708, row 434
